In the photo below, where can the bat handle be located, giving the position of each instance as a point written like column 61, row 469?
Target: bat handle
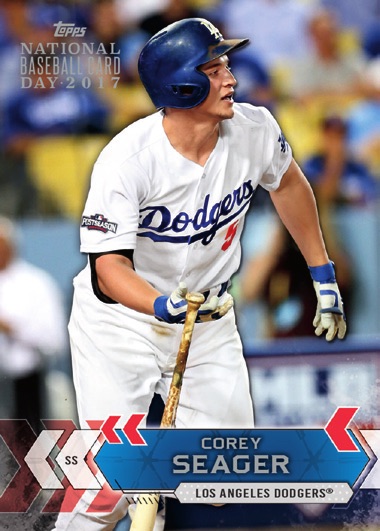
column 195, row 299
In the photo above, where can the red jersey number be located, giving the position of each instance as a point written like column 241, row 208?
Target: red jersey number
column 231, row 232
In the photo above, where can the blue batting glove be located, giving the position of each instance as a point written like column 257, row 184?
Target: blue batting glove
column 173, row 309
column 329, row 316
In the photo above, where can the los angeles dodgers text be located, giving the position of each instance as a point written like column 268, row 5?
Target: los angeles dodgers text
column 157, row 221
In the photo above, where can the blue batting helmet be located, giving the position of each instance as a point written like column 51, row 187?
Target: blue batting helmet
column 168, row 63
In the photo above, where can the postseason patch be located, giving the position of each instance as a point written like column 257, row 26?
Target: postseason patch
column 99, row 222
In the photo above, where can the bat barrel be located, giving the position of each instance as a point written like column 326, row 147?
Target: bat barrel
column 146, row 513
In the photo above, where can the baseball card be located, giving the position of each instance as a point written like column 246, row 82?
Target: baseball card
column 189, row 302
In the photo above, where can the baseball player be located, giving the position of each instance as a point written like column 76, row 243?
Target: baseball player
column 164, row 215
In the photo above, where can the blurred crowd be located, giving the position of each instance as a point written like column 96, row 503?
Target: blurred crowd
column 308, row 59
column 69, row 71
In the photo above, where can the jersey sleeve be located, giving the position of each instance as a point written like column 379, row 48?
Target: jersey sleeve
column 110, row 217
column 279, row 154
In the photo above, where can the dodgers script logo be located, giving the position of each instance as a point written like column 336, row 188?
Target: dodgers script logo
column 159, row 224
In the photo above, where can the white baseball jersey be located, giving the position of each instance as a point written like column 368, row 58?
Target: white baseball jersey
column 183, row 220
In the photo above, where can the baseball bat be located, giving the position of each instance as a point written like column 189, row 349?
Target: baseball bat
column 146, row 507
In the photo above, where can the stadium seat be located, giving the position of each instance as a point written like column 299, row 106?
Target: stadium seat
column 60, row 167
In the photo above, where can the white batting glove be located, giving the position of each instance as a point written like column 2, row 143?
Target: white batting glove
column 220, row 310
column 329, row 316
column 173, row 309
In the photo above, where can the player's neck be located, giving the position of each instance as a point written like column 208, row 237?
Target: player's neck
column 193, row 139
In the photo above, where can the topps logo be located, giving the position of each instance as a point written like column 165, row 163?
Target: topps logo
column 64, row 30
column 98, row 222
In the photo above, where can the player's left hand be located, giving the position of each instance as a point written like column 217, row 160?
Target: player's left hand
column 329, row 316
column 173, row 309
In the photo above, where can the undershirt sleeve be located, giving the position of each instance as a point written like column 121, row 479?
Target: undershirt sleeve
column 128, row 253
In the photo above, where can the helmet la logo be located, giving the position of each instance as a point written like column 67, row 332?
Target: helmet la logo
column 212, row 29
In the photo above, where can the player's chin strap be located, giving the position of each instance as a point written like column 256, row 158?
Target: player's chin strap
column 329, row 316
column 172, row 309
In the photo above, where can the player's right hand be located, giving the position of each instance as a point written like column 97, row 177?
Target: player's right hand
column 173, row 309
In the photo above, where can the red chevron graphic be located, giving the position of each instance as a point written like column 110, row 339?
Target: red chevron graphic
column 132, row 433
column 336, row 429
column 108, row 428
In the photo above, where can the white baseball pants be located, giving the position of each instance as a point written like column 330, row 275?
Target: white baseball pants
column 121, row 357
